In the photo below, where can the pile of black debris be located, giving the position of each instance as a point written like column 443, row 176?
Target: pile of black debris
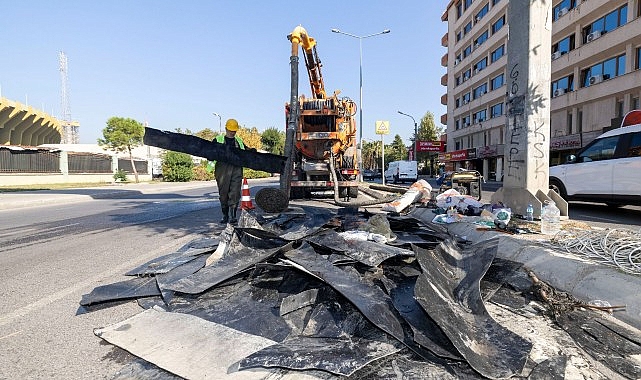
column 290, row 296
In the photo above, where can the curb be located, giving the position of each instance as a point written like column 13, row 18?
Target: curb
column 585, row 280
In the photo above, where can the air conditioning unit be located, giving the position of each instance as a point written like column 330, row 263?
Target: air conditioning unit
column 476, row 45
column 465, row 101
column 596, row 79
column 562, row 12
column 476, row 71
column 593, row 36
column 556, row 55
column 466, row 124
column 457, row 61
column 559, row 92
column 477, row 19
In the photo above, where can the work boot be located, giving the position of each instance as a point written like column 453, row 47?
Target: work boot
column 225, row 218
column 233, row 219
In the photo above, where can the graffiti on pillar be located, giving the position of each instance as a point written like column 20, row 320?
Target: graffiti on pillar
column 516, row 110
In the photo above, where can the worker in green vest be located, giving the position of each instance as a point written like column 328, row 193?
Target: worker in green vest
column 228, row 176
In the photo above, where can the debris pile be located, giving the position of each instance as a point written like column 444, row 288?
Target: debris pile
column 293, row 296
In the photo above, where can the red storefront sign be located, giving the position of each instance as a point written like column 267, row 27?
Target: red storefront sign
column 430, row 146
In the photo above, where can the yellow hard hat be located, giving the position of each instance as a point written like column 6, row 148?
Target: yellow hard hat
column 231, row 125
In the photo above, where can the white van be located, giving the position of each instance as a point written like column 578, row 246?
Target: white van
column 401, row 171
column 606, row 170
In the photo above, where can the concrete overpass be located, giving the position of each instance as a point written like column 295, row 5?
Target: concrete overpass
column 24, row 125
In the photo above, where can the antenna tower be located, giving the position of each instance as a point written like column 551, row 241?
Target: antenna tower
column 69, row 127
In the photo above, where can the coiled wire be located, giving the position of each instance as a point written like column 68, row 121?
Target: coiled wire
column 620, row 248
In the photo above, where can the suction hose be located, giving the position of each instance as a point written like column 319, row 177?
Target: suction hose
column 337, row 200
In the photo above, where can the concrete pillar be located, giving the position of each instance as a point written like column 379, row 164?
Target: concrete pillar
column 527, row 145
column 499, row 168
column 64, row 163
column 486, row 168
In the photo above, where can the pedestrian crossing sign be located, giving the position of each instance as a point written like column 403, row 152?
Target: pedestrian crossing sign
column 382, row 127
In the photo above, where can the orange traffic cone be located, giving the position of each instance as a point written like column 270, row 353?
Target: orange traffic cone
column 245, row 198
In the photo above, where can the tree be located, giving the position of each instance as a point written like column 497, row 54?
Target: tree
column 122, row 135
column 206, row 134
column 273, row 140
column 371, row 154
column 427, row 131
column 396, row 151
column 177, row 167
column 251, row 137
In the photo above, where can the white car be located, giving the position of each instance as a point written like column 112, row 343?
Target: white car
column 607, row 170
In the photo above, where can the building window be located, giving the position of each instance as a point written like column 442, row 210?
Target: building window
column 498, row 53
column 482, row 12
column 458, row 102
column 459, row 10
column 620, row 108
column 562, row 8
column 468, row 3
column 480, row 90
column 459, row 35
column 458, row 80
column 482, row 38
column 498, row 24
column 480, row 65
column 466, row 98
column 635, row 104
column 565, row 45
column 496, row 110
column 497, row 82
column 480, row 116
column 607, row 69
column 458, row 145
column 563, row 85
column 467, row 74
column 467, row 51
column 467, row 28
column 494, row 2
column 465, row 121
column 638, row 65
column 607, row 23
column 457, row 124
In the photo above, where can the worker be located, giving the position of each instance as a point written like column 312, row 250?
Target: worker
column 229, row 176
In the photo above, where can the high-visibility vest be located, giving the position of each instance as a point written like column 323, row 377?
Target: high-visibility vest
column 221, row 139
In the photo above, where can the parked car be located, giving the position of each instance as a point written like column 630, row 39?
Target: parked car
column 607, row 170
column 372, row 174
column 401, row 171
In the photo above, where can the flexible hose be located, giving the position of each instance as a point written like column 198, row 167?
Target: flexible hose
column 337, row 200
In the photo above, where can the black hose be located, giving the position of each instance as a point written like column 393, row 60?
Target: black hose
column 337, row 200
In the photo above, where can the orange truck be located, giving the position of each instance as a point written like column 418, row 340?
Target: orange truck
column 325, row 144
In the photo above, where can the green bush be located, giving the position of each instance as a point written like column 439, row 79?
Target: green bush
column 177, row 167
column 251, row 173
column 120, row 176
column 202, row 174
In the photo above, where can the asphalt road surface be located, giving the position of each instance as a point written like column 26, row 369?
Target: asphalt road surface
column 53, row 254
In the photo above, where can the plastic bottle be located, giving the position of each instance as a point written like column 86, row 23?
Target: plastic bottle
column 529, row 213
column 550, row 218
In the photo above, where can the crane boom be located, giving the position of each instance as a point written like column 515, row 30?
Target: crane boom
column 299, row 37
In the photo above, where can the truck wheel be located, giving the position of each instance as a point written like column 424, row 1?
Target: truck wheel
column 353, row 192
column 297, row 193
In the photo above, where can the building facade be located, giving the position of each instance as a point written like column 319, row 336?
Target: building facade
column 595, row 80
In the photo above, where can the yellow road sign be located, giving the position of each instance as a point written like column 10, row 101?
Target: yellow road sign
column 382, row 127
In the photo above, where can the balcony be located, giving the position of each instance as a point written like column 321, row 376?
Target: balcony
column 444, row 80
column 444, row 119
column 444, row 40
column 444, row 60
column 444, row 99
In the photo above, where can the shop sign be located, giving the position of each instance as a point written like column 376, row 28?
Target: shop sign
column 486, row 151
column 565, row 142
column 471, row 153
column 458, row 155
column 430, row 146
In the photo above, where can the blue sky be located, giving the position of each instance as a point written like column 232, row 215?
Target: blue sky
column 174, row 63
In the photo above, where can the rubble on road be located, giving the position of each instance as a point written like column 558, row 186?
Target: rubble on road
column 287, row 296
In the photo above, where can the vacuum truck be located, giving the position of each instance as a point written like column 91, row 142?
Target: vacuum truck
column 325, row 144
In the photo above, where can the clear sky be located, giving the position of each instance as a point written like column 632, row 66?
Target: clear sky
column 175, row 63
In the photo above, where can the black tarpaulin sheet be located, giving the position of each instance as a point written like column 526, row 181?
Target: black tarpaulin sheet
column 373, row 254
column 606, row 341
column 369, row 299
column 214, row 151
column 449, row 291
column 297, row 223
column 128, row 289
column 338, row 356
column 225, row 268
column 162, row 264
column 550, row 369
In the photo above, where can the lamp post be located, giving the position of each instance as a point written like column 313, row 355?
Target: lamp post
column 415, row 133
column 360, row 106
column 220, row 123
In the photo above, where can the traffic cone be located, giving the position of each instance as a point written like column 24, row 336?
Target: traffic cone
column 245, row 198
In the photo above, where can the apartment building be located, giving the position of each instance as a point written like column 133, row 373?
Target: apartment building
column 595, row 80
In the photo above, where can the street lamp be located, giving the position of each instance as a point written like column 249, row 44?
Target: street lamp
column 220, row 123
column 415, row 133
column 360, row 106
